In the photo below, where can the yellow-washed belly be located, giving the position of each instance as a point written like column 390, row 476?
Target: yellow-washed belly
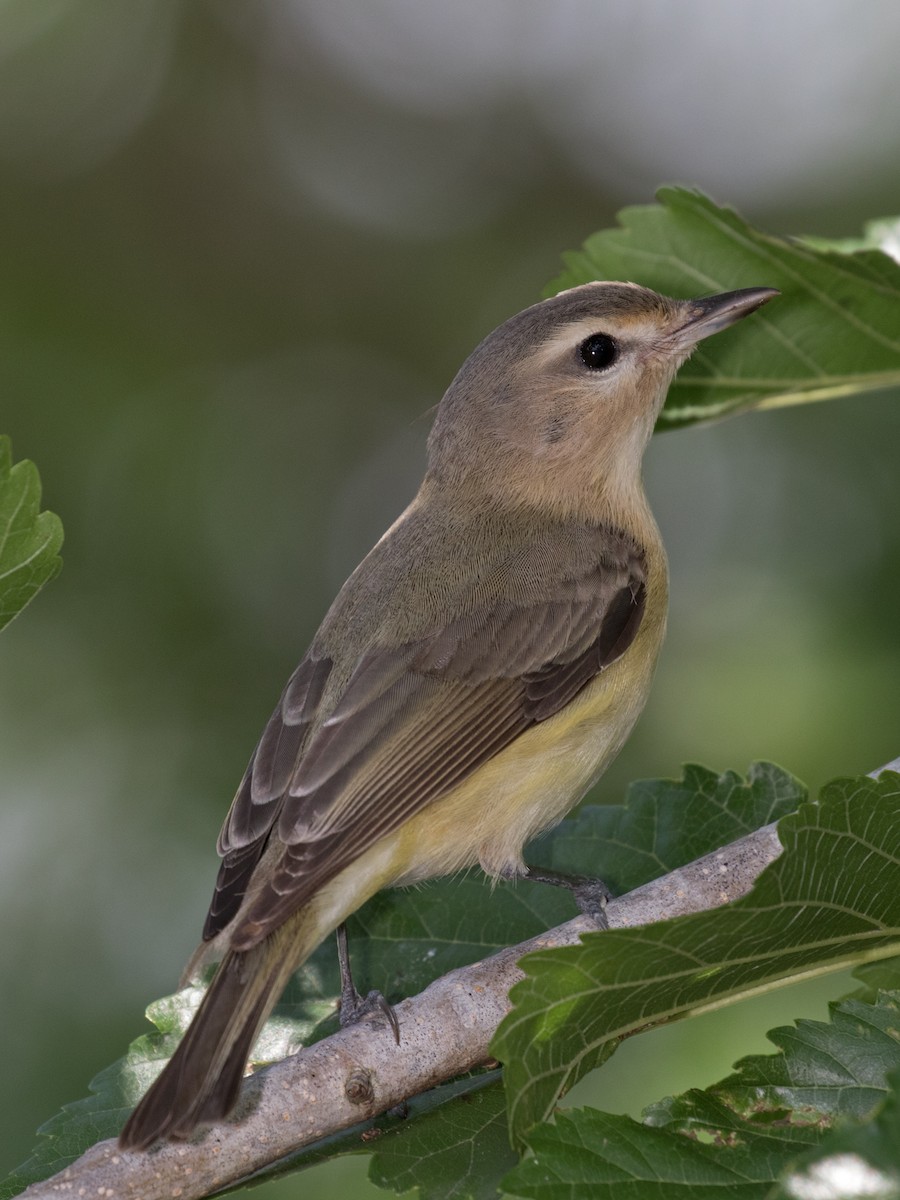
column 533, row 783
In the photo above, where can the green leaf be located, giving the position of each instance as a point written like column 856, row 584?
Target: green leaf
column 665, row 823
column 402, row 940
column 834, row 331
column 831, row 900
column 880, row 976
column 459, row 1151
column 29, row 539
column 883, row 234
column 113, row 1093
column 830, row 1068
column 773, row 1116
column 589, row 1155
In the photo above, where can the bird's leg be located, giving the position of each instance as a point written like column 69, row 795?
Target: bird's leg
column 590, row 894
column 353, row 1006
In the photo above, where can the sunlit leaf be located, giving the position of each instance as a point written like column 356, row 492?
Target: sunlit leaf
column 29, row 539
column 835, row 329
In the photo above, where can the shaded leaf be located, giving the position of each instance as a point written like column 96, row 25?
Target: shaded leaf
column 459, row 1151
column 588, row 1155
column 743, row 1134
column 399, row 943
column 880, row 976
column 666, row 823
column 113, row 1093
column 830, row 1068
column 452, row 1141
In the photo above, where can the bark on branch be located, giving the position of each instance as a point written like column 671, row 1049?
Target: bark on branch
column 360, row 1072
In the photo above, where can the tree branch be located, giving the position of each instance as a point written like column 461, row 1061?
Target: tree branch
column 360, row 1072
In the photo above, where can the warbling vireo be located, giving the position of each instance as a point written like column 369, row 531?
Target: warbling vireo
column 476, row 673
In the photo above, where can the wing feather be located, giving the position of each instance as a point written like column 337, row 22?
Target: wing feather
column 412, row 721
column 256, row 805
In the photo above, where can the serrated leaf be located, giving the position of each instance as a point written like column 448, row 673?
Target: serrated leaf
column 402, row 940
column 825, row 1072
column 29, row 539
column 113, row 1093
column 589, row 1155
column 830, row 901
column 665, row 823
column 831, row 1068
column 738, row 1136
column 834, row 331
column 882, row 234
column 399, row 943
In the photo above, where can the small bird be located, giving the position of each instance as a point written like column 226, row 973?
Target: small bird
column 476, row 674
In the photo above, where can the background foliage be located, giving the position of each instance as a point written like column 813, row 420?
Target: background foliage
column 244, row 251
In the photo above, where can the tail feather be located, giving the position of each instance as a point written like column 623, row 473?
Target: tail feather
column 202, row 1080
column 224, row 1096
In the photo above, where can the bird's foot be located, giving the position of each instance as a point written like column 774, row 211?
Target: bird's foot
column 590, row 894
column 355, row 1007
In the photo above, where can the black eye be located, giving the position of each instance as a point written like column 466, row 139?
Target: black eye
column 598, row 351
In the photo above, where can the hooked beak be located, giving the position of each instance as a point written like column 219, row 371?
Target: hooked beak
column 712, row 313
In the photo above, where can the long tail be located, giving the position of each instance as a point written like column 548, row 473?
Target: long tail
column 202, row 1080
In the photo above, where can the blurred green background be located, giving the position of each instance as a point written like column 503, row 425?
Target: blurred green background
column 243, row 248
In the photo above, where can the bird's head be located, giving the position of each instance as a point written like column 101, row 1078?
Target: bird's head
column 557, row 404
